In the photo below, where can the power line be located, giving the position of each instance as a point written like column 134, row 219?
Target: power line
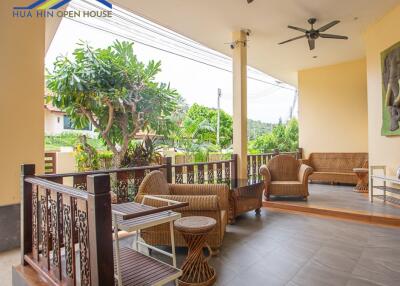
column 162, row 42
column 191, row 51
column 168, row 51
column 173, row 37
column 145, row 44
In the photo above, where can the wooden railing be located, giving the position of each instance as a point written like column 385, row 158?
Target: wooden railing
column 50, row 162
column 254, row 162
column 214, row 172
column 56, row 234
column 126, row 181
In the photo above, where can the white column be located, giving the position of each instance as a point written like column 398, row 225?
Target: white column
column 240, row 101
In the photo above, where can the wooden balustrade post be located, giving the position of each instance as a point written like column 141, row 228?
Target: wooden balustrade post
column 168, row 162
column 26, row 211
column 100, row 230
column 299, row 153
column 234, row 166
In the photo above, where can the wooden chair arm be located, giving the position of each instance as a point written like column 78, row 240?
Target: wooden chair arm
column 264, row 171
column 304, row 172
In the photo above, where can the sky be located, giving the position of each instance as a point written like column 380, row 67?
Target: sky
column 196, row 79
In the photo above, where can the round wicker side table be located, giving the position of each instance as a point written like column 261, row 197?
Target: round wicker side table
column 196, row 270
column 362, row 180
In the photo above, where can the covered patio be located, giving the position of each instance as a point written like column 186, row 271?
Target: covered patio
column 330, row 236
column 283, row 248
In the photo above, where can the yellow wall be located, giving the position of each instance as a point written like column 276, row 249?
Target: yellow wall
column 380, row 36
column 333, row 108
column 21, row 98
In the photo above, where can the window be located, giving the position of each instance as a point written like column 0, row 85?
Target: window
column 69, row 125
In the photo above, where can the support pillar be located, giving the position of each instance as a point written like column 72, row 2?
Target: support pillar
column 240, row 101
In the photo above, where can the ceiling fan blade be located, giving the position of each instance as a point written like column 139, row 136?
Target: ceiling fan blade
column 297, row 28
column 311, row 44
column 292, row 39
column 249, row 1
column 328, row 26
column 329, row 36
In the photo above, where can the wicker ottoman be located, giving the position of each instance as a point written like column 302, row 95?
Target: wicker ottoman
column 196, row 270
column 362, row 180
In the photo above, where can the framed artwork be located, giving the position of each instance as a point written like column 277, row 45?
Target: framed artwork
column 390, row 61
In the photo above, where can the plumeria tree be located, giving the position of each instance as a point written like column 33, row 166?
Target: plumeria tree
column 115, row 92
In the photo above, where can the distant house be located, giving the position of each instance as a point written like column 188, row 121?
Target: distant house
column 57, row 122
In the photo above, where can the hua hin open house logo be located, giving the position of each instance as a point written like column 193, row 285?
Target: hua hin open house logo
column 51, row 8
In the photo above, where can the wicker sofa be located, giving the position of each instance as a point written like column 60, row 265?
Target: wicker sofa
column 204, row 200
column 336, row 167
column 285, row 176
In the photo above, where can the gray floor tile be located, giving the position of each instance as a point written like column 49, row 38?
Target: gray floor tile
column 364, row 282
column 281, row 264
column 255, row 275
column 315, row 274
column 335, row 259
column 378, row 270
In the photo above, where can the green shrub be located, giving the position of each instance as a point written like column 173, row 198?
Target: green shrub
column 285, row 138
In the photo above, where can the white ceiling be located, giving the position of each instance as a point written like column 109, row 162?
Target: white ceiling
column 211, row 22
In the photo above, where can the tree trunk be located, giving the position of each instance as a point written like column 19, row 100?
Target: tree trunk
column 117, row 160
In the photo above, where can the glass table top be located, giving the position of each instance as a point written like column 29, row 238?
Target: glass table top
column 240, row 183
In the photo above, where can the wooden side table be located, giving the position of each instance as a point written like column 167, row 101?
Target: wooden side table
column 133, row 217
column 362, row 180
column 196, row 270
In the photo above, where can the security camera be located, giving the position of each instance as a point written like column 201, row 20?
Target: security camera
column 247, row 31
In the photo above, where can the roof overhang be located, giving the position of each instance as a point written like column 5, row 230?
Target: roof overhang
column 212, row 22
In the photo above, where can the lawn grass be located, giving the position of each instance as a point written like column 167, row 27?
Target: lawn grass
column 54, row 143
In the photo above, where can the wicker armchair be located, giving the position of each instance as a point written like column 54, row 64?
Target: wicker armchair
column 204, row 200
column 285, row 176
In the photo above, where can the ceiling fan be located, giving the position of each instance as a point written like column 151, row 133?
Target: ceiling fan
column 314, row 34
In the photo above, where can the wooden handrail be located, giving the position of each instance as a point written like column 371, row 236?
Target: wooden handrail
column 155, row 210
column 97, row 172
column 57, row 187
column 272, row 153
column 202, row 163
column 49, row 278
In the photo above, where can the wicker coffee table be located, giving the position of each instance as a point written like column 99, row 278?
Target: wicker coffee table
column 196, row 270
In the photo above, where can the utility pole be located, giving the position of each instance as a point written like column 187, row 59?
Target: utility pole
column 218, row 113
column 293, row 105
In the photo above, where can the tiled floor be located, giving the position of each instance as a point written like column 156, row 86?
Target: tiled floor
column 342, row 197
column 291, row 249
column 7, row 259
